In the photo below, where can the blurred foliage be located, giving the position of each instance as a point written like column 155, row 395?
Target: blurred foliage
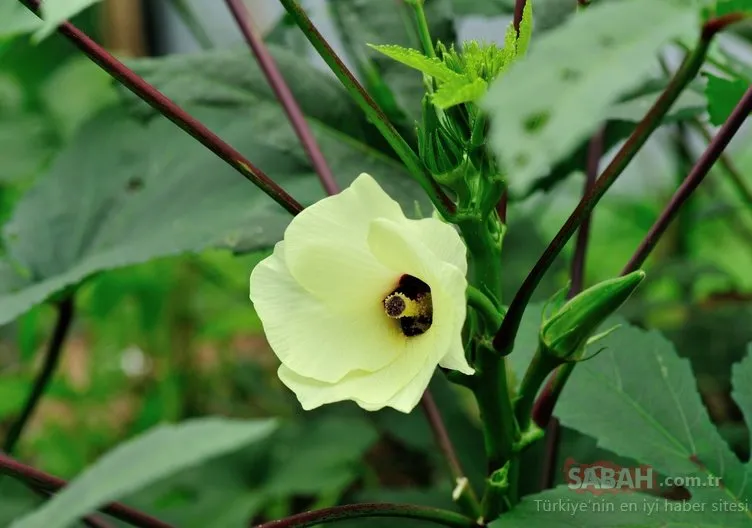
column 163, row 336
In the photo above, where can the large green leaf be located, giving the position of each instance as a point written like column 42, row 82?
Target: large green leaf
column 639, row 399
column 146, row 459
column 561, row 507
column 551, row 101
column 142, row 192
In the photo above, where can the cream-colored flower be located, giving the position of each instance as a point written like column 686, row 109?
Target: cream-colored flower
column 361, row 303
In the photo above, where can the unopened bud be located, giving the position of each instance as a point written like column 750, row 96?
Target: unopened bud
column 567, row 331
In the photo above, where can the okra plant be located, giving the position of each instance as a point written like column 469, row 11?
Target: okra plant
column 389, row 253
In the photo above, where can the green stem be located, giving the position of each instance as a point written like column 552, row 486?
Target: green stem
column 491, row 388
column 423, row 32
column 359, row 511
column 504, row 340
column 190, row 20
column 65, row 310
column 484, row 306
column 375, row 115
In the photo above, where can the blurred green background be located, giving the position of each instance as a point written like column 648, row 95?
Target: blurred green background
column 177, row 337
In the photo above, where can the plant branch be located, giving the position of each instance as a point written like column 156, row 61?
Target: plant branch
column 465, row 495
column 504, row 340
column 284, row 95
column 65, row 311
column 692, row 181
column 484, row 306
column 39, row 480
column 171, row 111
column 375, row 115
column 358, row 511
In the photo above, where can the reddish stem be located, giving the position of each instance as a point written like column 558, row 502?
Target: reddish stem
column 519, row 10
column 171, row 111
column 284, row 95
column 358, row 511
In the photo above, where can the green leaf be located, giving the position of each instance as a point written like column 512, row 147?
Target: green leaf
column 313, row 457
column 723, row 95
column 15, row 20
column 416, row 60
column 640, row 400
column 562, row 507
column 146, row 459
column 55, row 12
column 459, row 91
column 120, row 175
column 548, row 103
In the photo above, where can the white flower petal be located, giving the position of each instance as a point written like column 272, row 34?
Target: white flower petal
column 311, row 338
column 443, row 240
column 455, row 360
column 406, row 399
column 328, row 238
column 395, row 384
column 343, row 277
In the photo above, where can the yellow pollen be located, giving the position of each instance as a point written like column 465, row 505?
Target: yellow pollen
column 398, row 305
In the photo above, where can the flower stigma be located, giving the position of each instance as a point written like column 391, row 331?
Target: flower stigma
column 410, row 303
